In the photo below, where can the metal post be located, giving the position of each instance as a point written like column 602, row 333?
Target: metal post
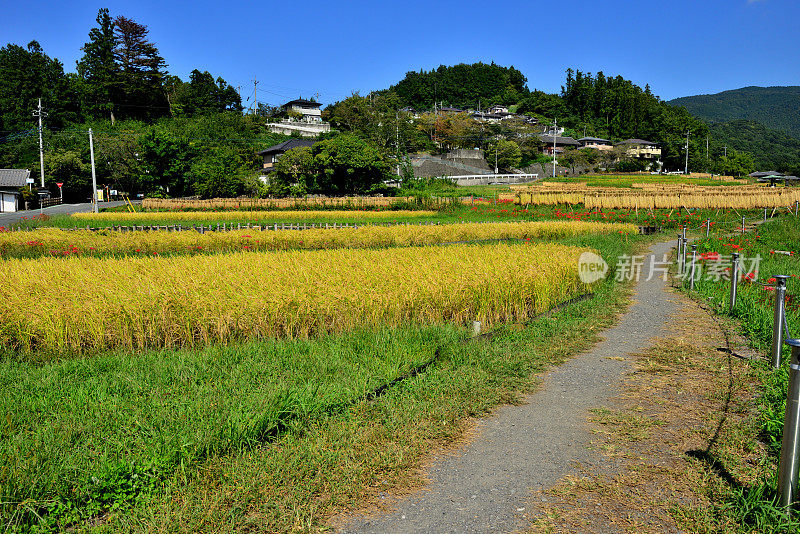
column 734, row 278
column 95, row 209
column 778, row 318
column 476, row 328
column 678, row 258
column 694, row 267
column 765, row 214
column 742, row 224
column 790, row 444
column 708, row 226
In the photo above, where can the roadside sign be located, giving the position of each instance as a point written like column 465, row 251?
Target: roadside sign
column 59, row 184
column 29, row 180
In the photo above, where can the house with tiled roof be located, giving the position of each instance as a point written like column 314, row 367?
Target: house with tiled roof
column 11, row 181
column 273, row 153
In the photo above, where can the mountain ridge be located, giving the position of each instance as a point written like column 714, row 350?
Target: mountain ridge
column 776, row 106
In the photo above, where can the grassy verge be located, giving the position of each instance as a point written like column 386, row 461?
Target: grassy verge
column 753, row 506
column 270, row 436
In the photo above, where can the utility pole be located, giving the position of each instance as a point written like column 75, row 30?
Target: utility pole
column 397, row 140
column 495, row 159
column 555, row 137
column 94, row 177
column 255, row 95
column 726, row 151
column 706, row 147
column 686, row 168
column 39, row 113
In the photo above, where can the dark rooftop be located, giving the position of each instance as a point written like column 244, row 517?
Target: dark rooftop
column 593, row 139
column 764, row 173
column 287, row 145
column 548, row 139
column 637, row 142
column 14, row 177
column 303, row 102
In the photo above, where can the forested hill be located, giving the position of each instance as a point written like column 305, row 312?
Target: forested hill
column 771, row 149
column 775, row 107
column 462, row 86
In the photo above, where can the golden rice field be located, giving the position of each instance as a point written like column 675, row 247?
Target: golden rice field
column 90, row 304
column 57, row 242
column 199, row 217
column 269, row 203
column 662, row 197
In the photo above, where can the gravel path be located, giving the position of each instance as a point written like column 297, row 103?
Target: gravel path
column 485, row 486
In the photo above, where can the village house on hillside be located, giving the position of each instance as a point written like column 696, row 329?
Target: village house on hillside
column 596, row 143
column 560, row 143
column 272, row 154
column 641, row 149
column 302, row 117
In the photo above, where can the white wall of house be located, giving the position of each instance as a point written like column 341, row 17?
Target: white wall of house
column 8, row 202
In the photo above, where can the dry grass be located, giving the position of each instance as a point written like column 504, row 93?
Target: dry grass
column 656, row 196
column 90, row 304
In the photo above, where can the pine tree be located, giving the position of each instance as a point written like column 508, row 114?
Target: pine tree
column 142, row 71
column 98, row 71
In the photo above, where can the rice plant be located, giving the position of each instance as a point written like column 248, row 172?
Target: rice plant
column 87, row 304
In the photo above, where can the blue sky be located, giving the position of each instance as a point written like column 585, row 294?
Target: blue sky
column 679, row 47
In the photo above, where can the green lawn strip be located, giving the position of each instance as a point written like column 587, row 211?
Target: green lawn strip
column 83, row 436
column 754, row 506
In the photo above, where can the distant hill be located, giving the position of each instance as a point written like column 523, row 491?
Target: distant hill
column 771, row 149
column 776, row 107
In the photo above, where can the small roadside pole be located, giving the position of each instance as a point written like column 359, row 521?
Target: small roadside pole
column 94, row 177
column 708, row 226
column 476, row 328
column 60, row 191
column 694, row 267
column 743, row 224
column 790, row 444
column 734, row 278
column 680, row 242
column 779, row 319
column 765, row 214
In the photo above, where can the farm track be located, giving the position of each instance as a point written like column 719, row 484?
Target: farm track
column 486, row 486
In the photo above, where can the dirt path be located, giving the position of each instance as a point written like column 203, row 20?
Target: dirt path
column 487, row 485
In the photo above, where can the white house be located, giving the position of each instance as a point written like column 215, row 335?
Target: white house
column 11, row 180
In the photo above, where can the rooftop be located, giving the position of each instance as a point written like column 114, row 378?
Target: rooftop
column 287, row 145
column 14, row 177
column 303, row 102
column 593, row 140
column 637, row 142
column 558, row 140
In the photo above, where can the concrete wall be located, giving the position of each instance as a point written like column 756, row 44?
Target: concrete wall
column 465, row 153
column 431, row 167
column 305, row 129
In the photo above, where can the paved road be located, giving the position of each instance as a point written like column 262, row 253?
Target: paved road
column 486, row 486
column 18, row 217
